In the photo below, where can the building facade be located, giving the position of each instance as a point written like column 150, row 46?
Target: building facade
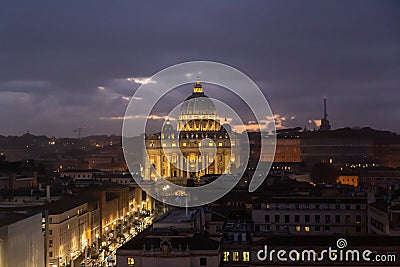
column 185, row 151
column 21, row 240
column 311, row 215
column 68, row 229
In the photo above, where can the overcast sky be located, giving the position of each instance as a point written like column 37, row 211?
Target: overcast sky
column 65, row 64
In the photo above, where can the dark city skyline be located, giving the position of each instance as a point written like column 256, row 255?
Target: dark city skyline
column 65, row 66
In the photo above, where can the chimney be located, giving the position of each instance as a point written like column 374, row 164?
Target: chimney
column 48, row 193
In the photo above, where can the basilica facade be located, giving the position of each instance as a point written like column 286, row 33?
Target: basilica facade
column 196, row 145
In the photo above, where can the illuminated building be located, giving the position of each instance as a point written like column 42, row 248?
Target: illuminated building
column 67, row 225
column 348, row 180
column 176, row 152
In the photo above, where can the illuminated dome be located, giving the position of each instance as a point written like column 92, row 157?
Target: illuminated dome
column 198, row 112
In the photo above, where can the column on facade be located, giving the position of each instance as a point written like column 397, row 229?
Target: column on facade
column 180, row 165
column 227, row 164
column 159, row 165
column 168, row 165
column 203, row 163
column 197, row 165
column 147, row 168
column 216, row 162
column 206, row 163
column 188, row 167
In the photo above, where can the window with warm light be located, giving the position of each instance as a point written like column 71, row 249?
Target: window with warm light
column 131, row 261
column 298, row 228
column 174, row 158
column 226, row 256
column 246, row 256
column 307, row 229
column 235, row 256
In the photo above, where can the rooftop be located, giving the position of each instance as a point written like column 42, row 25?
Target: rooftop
column 177, row 216
column 380, row 204
column 196, row 242
column 7, row 218
column 64, row 204
column 326, row 241
column 345, row 200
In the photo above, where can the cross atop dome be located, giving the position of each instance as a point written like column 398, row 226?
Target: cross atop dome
column 198, row 88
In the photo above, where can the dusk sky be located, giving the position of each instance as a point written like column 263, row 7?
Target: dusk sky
column 65, row 65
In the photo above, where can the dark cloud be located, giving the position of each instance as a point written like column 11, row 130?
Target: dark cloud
column 54, row 56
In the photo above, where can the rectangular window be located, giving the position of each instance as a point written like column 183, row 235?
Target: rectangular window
column 358, row 229
column 317, row 228
column 297, row 218
column 347, row 207
column 266, row 218
column 203, row 261
column 50, row 243
column 358, row 219
column 337, row 218
column 226, row 256
column 286, row 218
column 298, row 228
column 317, row 219
column 327, row 219
column 307, row 228
column 277, row 218
column 50, row 232
column 174, row 158
column 235, row 256
column 246, row 256
column 358, row 207
column 131, row 261
column 307, row 218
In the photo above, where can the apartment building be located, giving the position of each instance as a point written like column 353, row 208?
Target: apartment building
column 311, row 215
